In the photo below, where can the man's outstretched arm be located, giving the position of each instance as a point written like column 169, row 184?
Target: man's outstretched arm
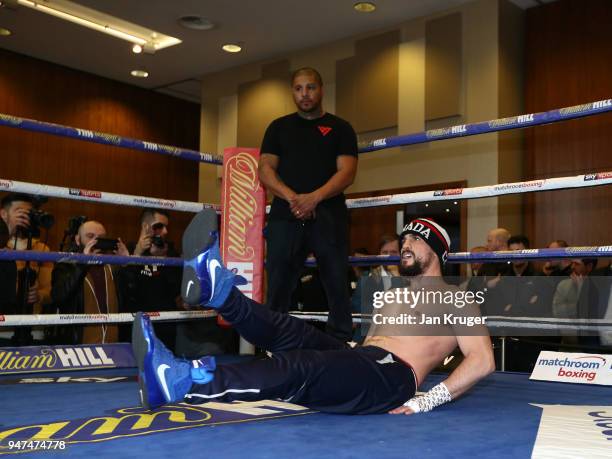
column 478, row 363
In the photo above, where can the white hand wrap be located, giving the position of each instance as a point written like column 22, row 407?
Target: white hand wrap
column 436, row 396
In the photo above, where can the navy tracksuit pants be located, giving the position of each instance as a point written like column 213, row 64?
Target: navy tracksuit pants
column 308, row 367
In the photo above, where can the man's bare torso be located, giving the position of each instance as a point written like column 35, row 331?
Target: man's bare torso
column 425, row 343
column 423, row 353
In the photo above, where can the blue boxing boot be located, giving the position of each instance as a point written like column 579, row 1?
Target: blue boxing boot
column 162, row 377
column 206, row 281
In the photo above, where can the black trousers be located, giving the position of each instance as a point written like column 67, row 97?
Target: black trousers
column 288, row 244
column 308, row 367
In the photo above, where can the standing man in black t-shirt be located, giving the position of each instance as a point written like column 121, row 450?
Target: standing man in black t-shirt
column 308, row 159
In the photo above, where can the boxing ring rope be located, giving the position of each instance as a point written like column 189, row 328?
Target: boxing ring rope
column 79, row 194
column 498, row 256
column 579, row 181
column 459, row 257
column 29, row 320
column 462, row 130
column 486, row 191
column 94, row 259
column 107, row 139
column 500, row 124
column 537, row 323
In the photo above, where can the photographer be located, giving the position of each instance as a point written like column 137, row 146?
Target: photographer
column 8, row 280
column 23, row 219
column 150, row 287
column 89, row 289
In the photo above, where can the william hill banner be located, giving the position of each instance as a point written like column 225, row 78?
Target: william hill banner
column 37, row 359
column 243, row 201
column 130, row 422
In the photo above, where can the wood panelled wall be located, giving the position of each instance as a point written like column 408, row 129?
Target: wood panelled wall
column 568, row 55
column 35, row 89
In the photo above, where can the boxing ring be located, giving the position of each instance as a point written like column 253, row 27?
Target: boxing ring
column 481, row 424
column 95, row 412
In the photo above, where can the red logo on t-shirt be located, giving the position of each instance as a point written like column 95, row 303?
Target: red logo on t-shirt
column 324, row 130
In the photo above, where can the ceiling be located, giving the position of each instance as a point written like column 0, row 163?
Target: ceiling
column 267, row 29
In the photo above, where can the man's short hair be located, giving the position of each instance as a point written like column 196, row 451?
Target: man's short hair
column 16, row 197
column 361, row 250
column 307, row 71
column 519, row 239
column 386, row 238
column 560, row 243
column 89, row 221
column 150, row 212
column 590, row 261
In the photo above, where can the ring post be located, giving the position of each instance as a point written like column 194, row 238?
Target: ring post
column 243, row 204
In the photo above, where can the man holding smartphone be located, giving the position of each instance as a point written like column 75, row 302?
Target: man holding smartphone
column 89, row 289
column 151, row 287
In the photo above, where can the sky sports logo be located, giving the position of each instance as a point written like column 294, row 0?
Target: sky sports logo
column 584, row 367
column 450, row 192
column 85, row 193
column 600, row 176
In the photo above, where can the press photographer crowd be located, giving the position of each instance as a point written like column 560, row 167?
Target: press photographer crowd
column 29, row 287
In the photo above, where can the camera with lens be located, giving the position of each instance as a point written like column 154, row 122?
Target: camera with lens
column 158, row 242
column 41, row 219
column 38, row 219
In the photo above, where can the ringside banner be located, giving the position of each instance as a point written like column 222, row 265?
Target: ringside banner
column 37, row 359
column 244, row 204
column 574, row 368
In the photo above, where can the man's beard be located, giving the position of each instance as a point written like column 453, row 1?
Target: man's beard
column 416, row 269
column 314, row 107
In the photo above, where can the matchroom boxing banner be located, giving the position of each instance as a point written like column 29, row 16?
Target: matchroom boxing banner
column 243, row 201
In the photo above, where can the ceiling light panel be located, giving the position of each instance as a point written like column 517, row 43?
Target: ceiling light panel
column 149, row 39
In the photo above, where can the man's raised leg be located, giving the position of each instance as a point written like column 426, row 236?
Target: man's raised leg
column 207, row 282
column 271, row 330
column 162, row 377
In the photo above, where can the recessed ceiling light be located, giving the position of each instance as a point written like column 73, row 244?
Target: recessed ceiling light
column 196, row 22
column 231, row 48
column 5, row 32
column 139, row 73
column 364, row 7
column 137, row 49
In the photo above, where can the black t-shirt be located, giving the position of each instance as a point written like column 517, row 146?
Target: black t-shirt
column 148, row 287
column 8, row 281
column 307, row 151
